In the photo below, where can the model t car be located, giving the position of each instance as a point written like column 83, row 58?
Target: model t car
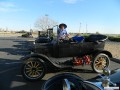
column 51, row 53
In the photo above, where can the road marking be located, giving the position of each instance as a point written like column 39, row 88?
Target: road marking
column 17, row 84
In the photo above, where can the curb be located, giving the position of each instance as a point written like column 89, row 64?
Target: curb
column 115, row 60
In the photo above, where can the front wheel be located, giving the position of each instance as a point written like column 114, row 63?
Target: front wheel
column 99, row 62
column 33, row 69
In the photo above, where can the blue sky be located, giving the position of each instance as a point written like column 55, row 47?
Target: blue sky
column 99, row 15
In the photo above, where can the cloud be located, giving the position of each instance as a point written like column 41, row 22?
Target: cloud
column 10, row 10
column 7, row 4
column 71, row 1
column 8, row 7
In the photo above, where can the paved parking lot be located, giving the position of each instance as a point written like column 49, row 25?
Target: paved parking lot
column 11, row 50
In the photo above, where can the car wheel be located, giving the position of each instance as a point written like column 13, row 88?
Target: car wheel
column 100, row 61
column 33, row 69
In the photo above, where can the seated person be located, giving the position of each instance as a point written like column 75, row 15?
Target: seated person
column 64, row 35
column 78, row 38
column 62, row 32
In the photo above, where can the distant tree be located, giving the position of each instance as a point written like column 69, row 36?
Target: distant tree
column 97, row 32
column 44, row 23
column 21, row 31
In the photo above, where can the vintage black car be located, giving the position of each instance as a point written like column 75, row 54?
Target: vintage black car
column 61, row 54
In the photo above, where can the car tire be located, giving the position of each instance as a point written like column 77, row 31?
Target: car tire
column 33, row 69
column 100, row 59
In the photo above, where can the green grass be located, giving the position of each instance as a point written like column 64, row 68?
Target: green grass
column 114, row 38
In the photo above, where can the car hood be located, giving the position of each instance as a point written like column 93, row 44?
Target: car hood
column 114, row 77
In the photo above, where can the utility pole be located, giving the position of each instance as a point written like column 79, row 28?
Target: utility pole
column 46, row 15
column 86, row 29
column 80, row 28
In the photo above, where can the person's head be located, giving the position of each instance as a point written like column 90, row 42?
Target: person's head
column 62, row 26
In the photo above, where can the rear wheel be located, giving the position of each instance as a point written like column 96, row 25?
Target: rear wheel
column 33, row 69
column 99, row 62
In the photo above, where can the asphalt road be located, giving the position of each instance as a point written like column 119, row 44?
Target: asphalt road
column 12, row 49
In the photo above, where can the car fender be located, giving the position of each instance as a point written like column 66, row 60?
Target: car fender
column 43, row 58
column 103, row 51
column 35, row 55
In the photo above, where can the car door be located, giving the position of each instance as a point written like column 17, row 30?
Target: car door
column 86, row 48
column 64, row 49
column 69, row 49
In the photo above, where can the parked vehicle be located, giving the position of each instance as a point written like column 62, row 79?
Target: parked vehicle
column 61, row 54
column 68, row 81
column 44, row 37
column 28, row 35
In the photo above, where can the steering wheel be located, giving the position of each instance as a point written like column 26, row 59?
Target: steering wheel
column 64, row 81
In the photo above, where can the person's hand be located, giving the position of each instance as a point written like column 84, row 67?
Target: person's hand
column 61, row 37
column 61, row 40
column 67, row 38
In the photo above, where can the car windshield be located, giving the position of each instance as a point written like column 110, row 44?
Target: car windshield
column 55, row 32
column 40, row 39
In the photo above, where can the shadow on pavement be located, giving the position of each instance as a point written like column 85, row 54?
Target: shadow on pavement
column 26, row 45
column 80, row 71
column 20, row 48
column 14, row 51
column 71, row 70
column 115, row 60
column 11, row 79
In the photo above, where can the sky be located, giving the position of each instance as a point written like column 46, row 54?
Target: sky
column 90, row 16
